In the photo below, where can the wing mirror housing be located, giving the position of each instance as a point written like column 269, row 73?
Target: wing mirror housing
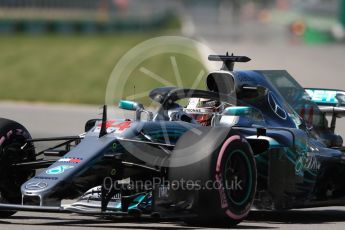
column 137, row 107
column 237, row 111
column 130, row 105
column 251, row 92
column 256, row 89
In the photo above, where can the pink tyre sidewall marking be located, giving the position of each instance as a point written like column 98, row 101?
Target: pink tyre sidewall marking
column 19, row 131
column 222, row 150
column 2, row 140
column 10, row 133
column 236, row 217
column 223, row 199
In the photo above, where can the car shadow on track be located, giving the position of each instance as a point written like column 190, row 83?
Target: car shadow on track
column 95, row 222
column 255, row 220
column 109, row 223
column 297, row 216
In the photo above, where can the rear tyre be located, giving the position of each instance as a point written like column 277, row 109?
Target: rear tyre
column 227, row 188
column 13, row 149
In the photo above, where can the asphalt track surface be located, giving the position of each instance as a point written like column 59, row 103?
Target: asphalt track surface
column 270, row 48
column 326, row 218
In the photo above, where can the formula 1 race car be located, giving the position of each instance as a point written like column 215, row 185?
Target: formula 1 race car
column 252, row 139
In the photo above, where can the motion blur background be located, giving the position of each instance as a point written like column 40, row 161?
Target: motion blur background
column 63, row 51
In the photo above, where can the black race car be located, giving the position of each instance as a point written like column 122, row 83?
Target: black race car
column 252, row 139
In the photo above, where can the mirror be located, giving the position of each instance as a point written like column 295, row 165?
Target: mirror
column 137, row 107
column 237, row 111
column 130, row 105
column 244, row 111
column 251, row 92
column 257, row 89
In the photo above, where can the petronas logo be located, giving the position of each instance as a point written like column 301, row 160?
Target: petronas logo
column 59, row 169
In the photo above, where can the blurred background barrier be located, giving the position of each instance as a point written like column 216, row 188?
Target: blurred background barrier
column 84, row 16
column 65, row 50
column 322, row 20
column 35, row 26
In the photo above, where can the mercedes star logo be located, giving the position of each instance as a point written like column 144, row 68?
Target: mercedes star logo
column 277, row 109
column 36, row 185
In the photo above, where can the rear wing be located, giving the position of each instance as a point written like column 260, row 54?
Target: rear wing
column 327, row 97
column 330, row 101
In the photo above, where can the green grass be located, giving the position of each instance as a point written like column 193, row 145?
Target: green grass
column 75, row 69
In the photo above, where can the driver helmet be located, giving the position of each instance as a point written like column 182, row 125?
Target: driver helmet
column 202, row 110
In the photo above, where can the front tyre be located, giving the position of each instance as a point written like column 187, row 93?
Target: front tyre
column 13, row 149
column 236, row 173
column 228, row 184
